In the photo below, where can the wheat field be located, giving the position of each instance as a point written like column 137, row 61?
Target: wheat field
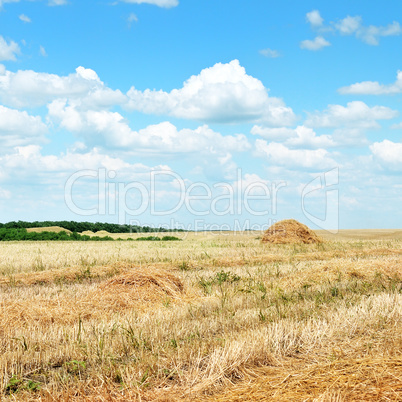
column 214, row 317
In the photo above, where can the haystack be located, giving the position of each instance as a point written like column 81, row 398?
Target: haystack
column 140, row 285
column 290, row 231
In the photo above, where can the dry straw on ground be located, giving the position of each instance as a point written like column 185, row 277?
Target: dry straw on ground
column 139, row 285
column 215, row 317
column 340, row 381
column 290, row 231
column 138, row 288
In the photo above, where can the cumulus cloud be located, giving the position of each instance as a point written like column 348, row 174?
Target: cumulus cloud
column 114, row 131
column 28, row 162
column 300, row 137
column 348, row 26
column 19, row 128
column 31, row 156
column 368, row 34
column 317, row 44
column 8, row 50
column 280, row 155
column 314, row 18
column 223, row 93
column 305, row 137
column 273, row 133
column 388, row 154
column 27, row 88
column 373, row 87
column 355, row 115
column 159, row 3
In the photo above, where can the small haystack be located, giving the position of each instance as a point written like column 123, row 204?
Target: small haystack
column 140, row 285
column 146, row 277
column 289, row 231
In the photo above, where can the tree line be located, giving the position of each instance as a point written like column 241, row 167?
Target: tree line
column 84, row 226
column 11, row 234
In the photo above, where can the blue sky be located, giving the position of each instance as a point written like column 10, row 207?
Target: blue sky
column 201, row 113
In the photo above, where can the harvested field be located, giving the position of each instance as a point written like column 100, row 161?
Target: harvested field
column 212, row 318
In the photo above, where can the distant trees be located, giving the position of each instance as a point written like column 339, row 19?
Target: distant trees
column 84, row 226
column 11, row 234
column 21, row 234
column 156, row 238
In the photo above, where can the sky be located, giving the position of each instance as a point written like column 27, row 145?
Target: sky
column 202, row 114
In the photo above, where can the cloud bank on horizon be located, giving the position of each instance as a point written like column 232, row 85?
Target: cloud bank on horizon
column 159, row 96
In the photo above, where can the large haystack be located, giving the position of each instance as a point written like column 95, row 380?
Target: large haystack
column 290, row 231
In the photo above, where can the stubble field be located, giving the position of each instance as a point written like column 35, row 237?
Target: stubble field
column 215, row 317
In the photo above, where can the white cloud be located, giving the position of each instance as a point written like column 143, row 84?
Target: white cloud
column 273, row 133
column 159, row 3
column 349, row 25
column 57, row 2
column 355, row 115
column 28, row 162
column 27, row 88
column 280, row 155
column 87, row 74
column 314, row 18
column 50, row 2
column 317, row 44
column 368, row 34
column 272, row 54
column 30, row 157
column 305, row 137
column 388, row 154
column 8, row 50
column 4, row 194
column 300, row 137
column 7, row 1
column 223, row 93
column 42, row 51
column 350, row 137
column 132, row 18
column 111, row 129
column 24, row 18
column 252, row 183
column 19, row 128
column 397, row 126
column 374, row 87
